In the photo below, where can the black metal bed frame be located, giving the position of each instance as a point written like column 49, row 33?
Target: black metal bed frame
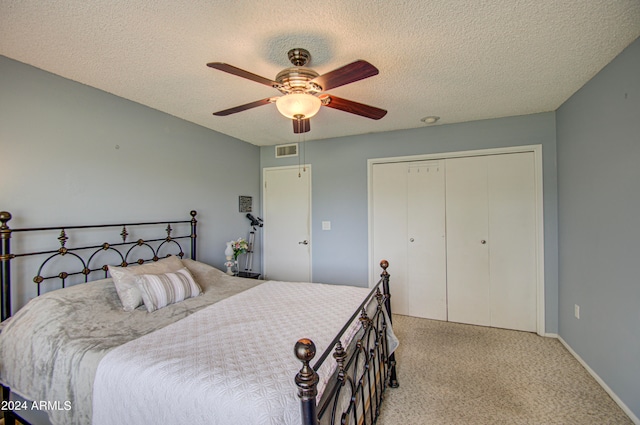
column 364, row 368
column 6, row 255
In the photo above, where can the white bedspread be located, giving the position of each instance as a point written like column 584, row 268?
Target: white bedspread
column 230, row 363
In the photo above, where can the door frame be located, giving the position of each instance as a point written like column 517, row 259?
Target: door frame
column 538, row 170
column 266, row 229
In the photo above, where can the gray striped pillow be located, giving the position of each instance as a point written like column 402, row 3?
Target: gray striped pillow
column 160, row 290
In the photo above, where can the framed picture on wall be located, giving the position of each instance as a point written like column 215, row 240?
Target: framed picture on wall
column 245, row 203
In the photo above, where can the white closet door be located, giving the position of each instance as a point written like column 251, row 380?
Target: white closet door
column 491, row 240
column 512, row 241
column 389, row 217
column 426, row 256
column 467, row 241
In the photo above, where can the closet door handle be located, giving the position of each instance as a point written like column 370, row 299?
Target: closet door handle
column 303, row 243
column 411, row 240
column 483, row 242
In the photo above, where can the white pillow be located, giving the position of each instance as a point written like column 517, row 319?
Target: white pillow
column 124, row 278
column 160, row 290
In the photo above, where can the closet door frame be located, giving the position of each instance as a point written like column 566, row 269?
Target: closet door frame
column 537, row 151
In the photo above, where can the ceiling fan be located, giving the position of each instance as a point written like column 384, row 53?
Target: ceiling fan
column 303, row 89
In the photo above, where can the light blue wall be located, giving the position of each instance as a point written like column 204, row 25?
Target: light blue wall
column 59, row 163
column 598, row 136
column 339, row 188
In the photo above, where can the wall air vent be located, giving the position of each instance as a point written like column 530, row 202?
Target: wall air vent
column 283, row 151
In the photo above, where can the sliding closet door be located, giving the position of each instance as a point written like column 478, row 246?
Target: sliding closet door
column 491, row 240
column 409, row 231
column 512, row 224
column 426, row 253
column 389, row 216
column 460, row 236
column 467, row 241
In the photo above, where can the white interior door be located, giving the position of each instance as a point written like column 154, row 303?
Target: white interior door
column 287, row 224
column 426, row 256
column 467, row 241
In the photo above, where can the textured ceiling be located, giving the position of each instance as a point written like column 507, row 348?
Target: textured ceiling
column 461, row 60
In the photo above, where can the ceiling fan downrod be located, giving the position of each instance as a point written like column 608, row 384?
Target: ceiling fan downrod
column 299, row 56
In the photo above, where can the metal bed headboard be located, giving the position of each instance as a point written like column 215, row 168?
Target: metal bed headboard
column 85, row 254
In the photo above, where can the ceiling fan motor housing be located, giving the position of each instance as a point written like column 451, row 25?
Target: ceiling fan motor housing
column 297, row 80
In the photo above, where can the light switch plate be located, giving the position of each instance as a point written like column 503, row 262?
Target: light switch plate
column 326, row 225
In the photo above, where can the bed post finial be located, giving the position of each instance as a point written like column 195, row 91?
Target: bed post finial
column 5, row 269
column 4, row 217
column 384, row 264
column 194, row 223
column 385, row 285
column 307, row 381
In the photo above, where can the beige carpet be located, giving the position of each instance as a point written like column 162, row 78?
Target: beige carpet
column 451, row 373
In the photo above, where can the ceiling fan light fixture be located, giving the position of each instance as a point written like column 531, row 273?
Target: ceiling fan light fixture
column 295, row 105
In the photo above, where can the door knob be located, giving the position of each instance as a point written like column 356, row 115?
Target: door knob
column 483, row 242
column 411, row 240
column 303, row 243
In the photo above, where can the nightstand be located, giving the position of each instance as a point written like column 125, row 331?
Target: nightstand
column 249, row 275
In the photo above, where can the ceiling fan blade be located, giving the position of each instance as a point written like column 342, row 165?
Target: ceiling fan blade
column 358, row 70
column 352, row 107
column 241, row 73
column 301, row 126
column 243, row 107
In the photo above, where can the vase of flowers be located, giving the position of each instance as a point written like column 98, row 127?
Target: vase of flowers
column 233, row 250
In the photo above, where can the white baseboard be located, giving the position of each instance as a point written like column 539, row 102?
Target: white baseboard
column 599, row 380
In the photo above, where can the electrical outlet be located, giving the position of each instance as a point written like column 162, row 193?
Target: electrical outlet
column 576, row 311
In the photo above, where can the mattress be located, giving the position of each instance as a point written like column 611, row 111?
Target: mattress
column 231, row 363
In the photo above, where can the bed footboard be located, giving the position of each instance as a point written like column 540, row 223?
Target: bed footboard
column 364, row 368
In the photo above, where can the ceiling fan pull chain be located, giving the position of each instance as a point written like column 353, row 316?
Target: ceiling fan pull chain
column 299, row 174
column 304, row 153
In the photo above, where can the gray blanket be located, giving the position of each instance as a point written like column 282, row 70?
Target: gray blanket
column 50, row 349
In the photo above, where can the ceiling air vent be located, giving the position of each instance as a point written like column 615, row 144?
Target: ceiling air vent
column 284, row 151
